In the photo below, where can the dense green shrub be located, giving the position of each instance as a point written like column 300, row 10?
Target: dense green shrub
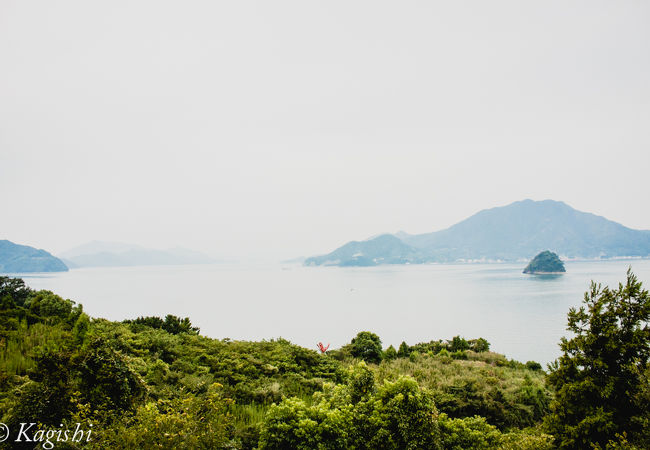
column 506, row 396
column 390, row 353
column 527, row 439
column 479, row 345
column 458, row 344
column 171, row 324
column 13, row 291
column 533, row 365
column 403, row 350
column 188, row 423
column 366, row 346
column 104, row 378
column 468, row 433
column 426, row 347
column 394, row 415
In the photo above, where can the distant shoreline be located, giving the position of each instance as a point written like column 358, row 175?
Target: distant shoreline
column 544, row 273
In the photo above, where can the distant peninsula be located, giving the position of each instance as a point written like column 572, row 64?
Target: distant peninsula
column 545, row 262
column 514, row 232
column 384, row 249
column 15, row 258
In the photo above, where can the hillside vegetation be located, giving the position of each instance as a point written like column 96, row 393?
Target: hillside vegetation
column 156, row 382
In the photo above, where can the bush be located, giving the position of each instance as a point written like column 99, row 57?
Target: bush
column 403, row 351
column 397, row 415
column 529, row 439
column 390, row 353
column 468, row 433
column 49, row 307
column 479, row 345
column 458, row 344
column 14, row 291
column 533, row 365
column 172, row 324
column 366, row 346
column 189, row 423
column 459, row 355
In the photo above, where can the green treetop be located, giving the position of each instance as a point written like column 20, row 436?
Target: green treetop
column 601, row 379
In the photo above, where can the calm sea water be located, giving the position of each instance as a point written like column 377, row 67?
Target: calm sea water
column 521, row 316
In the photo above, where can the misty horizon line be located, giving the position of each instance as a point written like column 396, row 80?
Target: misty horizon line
column 224, row 257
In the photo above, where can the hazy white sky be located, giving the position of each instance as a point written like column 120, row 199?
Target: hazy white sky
column 278, row 129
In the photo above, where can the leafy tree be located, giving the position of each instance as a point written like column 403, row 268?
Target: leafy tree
column 600, row 379
column 458, row 344
column 176, row 325
column 81, row 328
column 479, row 345
column 361, row 383
column 403, row 351
column 533, row 365
column 468, row 433
column 390, row 353
column 403, row 417
column 48, row 306
column 534, row 398
column 171, row 324
column 105, row 379
column 294, row 425
column 366, row 346
column 14, row 288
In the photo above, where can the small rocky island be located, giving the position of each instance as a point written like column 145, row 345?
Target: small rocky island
column 545, row 262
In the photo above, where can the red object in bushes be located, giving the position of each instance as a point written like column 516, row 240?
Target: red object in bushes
column 323, row 348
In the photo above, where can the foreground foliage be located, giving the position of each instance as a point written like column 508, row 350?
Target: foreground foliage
column 357, row 414
column 601, row 379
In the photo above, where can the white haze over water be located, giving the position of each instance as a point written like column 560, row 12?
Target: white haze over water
column 270, row 130
column 522, row 316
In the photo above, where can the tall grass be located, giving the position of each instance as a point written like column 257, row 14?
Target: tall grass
column 17, row 349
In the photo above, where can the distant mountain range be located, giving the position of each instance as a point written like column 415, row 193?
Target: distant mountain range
column 15, row 258
column 116, row 254
column 510, row 233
